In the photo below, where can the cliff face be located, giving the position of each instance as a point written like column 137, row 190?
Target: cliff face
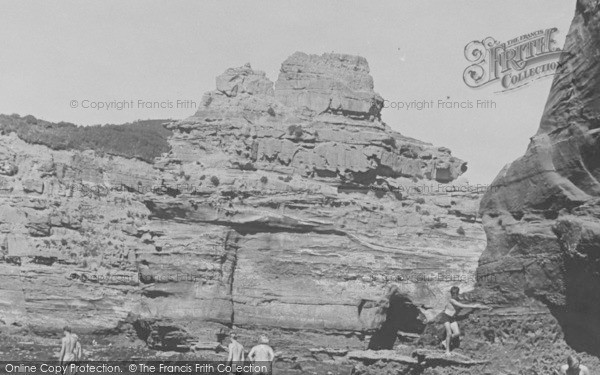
column 287, row 207
column 542, row 214
column 321, row 119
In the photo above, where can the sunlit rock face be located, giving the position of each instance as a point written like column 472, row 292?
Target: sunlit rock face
column 542, row 215
column 283, row 207
column 329, row 83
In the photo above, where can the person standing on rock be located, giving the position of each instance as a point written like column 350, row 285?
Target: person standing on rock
column 574, row 367
column 70, row 351
column 450, row 314
column 262, row 355
column 236, row 351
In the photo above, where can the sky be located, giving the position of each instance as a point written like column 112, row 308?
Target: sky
column 56, row 53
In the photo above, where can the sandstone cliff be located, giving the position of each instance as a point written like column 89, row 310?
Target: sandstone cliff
column 289, row 208
column 542, row 214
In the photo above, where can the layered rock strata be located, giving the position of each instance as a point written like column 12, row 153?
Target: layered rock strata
column 289, row 208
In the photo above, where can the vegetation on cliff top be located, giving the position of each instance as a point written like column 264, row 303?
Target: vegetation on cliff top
column 143, row 139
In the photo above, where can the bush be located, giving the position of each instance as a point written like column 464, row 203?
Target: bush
column 144, row 140
column 30, row 119
column 461, row 231
column 215, row 180
column 420, row 200
column 264, row 179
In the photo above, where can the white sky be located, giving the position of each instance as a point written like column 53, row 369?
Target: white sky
column 52, row 52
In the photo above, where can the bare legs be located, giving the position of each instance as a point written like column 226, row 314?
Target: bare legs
column 452, row 331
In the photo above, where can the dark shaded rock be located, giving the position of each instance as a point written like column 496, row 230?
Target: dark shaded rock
column 8, row 168
column 542, row 213
column 47, row 169
column 6, row 185
column 39, row 227
column 33, row 186
column 70, row 220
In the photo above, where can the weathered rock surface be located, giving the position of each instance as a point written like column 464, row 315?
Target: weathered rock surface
column 542, row 214
column 290, row 209
column 322, row 119
column 333, row 83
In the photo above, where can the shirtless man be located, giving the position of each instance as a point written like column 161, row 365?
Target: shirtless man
column 236, row 351
column 451, row 311
column 70, row 351
column 573, row 367
column 262, row 355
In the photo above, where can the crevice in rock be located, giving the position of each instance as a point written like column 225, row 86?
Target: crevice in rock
column 260, row 227
column 374, row 112
column 155, row 293
column 47, row 261
column 324, row 173
column 397, row 313
column 269, row 224
column 229, row 264
column 158, row 334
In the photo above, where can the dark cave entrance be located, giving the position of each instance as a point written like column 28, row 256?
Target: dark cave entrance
column 581, row 329
column 400, row 315
column 580, row 317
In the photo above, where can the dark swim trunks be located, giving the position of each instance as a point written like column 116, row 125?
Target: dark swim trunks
column 447, row 318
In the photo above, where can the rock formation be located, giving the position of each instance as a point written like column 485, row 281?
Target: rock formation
column 289, row 208
column 322, row 118
column 330, row 83
column 542, row 214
